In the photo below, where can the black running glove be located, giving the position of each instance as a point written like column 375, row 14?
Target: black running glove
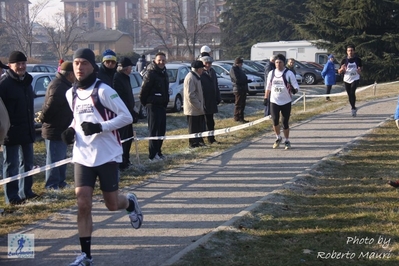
column 90, row 128
column 293, row 90
column 265, row 101
column 68, row 135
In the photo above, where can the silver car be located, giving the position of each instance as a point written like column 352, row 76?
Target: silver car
column 176, row 73
column 40, row 84
column 136, row 81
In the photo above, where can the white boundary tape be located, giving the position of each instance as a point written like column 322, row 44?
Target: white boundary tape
column 196, row 135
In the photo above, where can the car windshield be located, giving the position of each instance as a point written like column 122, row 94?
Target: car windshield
column 172, row 74
column 29, row 68
column 226, row 66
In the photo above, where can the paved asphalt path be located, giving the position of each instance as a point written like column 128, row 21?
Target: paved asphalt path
column 183, row 206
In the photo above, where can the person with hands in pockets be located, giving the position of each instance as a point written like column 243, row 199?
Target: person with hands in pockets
column 98, row 113
column 281, row 85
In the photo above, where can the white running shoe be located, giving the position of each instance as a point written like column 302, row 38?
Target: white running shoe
column 277, row 142
column 82, row 260
column 136, row 216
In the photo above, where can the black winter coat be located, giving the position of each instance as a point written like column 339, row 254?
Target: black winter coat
column 122, row 86
column 155, row 87
column 56, row 114
column 239, row 79
column 18, row 96
column 106, row 74
column 210, row 89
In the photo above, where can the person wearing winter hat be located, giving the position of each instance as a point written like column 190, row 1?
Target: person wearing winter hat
column 328, row 74
column 98, row 112
column 194, row 103
column 212, row 98
column 123, row 87
column 108, row 67
column 59, row 64
column 56, row 116
column 17, row 94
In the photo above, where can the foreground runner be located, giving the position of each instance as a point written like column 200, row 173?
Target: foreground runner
column 98, row 112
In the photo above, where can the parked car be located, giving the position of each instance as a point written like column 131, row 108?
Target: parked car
column 246, row 68
column 226, row 89
column 135, row 82
column 256, row 86
column 338, row 77
column 176, row 73
column 310, row 75
column 40, row 83
column 40, row 68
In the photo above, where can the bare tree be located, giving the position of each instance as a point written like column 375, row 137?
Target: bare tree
column 177, row 24
column 20, row 23
column 62, row 37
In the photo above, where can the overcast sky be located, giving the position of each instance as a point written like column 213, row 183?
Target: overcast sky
column 53, row 6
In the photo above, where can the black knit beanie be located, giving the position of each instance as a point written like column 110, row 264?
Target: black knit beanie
column 16, row 56
column 87, row 54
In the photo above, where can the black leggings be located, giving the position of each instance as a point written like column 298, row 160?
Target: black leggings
column 285, row 114
column 351, row 91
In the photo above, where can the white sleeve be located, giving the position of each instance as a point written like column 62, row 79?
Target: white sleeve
column 292, row 79
column 269, row 83
column 111, row 100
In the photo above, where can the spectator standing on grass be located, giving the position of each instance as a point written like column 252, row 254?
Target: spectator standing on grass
column 194, row 103
column 17, row 94
column 328, row 74
column 240, row 89
column 211, row 93
column 123, row 87
column 154, row 95
column 281, row 85
column 56, row 116
column 98, row 112
column 107, row 68
column 351, row 68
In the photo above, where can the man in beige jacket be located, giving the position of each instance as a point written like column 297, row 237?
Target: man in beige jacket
column 194, row 103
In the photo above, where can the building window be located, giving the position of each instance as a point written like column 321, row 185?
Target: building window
column 96, row 4
column 91, row 46
column 74, row 47
column 97, row 14
column 83, row 5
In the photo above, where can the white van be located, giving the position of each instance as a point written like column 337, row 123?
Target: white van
column 299, row 50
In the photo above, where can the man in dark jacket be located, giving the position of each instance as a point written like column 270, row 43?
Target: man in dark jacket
column 240, row 89
column 211, row 93
column 17, row 94
column 107, row 68
column 123, row 87
column 56, row 117
column 154, row 95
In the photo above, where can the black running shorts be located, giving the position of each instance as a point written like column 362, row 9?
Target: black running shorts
column 108, row 174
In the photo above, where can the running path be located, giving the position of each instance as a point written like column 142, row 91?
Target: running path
column 183, row 205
